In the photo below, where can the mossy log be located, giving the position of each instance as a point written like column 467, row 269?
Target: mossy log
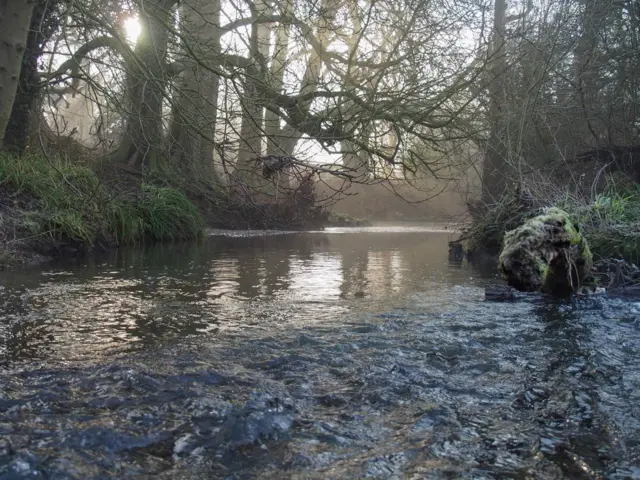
column 547, row 254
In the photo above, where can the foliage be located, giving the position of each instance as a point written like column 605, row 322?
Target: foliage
column 612, row 222
column 68, row 202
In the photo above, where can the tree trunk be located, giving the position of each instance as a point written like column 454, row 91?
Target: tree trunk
column 25, row 114
column 15, row 16
column 498, row 167
column 354, row 159
column 196, row 96
column 143, row 142
column 585, row 68
column 496, row 164
column 278, row 67
column 253, row 111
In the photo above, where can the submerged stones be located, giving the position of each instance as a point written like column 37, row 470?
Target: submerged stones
column 547, row 253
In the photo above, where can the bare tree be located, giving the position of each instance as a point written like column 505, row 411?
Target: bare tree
column 357, row 78
column 196, row 88
column 497, row 164
column 15, row 16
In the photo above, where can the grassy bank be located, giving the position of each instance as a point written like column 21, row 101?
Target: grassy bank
column 609, row 219
column 46, row 203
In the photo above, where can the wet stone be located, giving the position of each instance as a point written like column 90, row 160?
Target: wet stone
column 388, row 466
column 264, row 417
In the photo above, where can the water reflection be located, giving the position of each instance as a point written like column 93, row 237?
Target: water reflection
column 138, row 299
column 318, row 355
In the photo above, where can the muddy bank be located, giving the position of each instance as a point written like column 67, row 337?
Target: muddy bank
column 23, row 245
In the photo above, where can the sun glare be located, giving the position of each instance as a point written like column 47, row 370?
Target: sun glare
column 132, row 29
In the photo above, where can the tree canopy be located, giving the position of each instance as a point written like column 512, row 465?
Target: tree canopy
column 363, row 90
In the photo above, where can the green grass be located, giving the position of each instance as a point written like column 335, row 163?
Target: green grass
column 66, row 201
column 611, row 222
column 167, row 214
column 124, row 221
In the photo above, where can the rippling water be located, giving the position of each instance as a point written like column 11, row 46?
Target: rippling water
column 347, row 353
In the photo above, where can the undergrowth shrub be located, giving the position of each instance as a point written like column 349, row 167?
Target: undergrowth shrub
column 489, row 226
column 609, row 219
column 124, row 222
column 167, row 214
column 67, row 201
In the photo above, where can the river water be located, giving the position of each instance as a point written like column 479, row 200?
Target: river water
column 347, row 353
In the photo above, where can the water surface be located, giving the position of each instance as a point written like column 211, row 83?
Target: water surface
column 348, row 353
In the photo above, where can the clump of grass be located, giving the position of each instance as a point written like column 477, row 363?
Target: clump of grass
column 124, row 222
column 611, row 221
column 68, row 197
column 70, row 224
column 68, row 201
column 167, row 214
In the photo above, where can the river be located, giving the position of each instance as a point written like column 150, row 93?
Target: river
column 346, row 353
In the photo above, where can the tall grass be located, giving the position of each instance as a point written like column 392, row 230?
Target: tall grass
column 611, row 222
column 66, row 201
column 167, row 214
column 124, row 222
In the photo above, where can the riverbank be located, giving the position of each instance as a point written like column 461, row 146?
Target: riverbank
column 609, row 220
column 52, row 208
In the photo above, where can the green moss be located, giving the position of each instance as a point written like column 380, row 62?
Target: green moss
column 546, row 253
column 543, row 268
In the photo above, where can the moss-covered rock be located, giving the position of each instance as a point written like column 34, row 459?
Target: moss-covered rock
column 547, row 253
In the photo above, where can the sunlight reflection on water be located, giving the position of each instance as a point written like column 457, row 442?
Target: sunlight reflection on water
column 231, row 284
